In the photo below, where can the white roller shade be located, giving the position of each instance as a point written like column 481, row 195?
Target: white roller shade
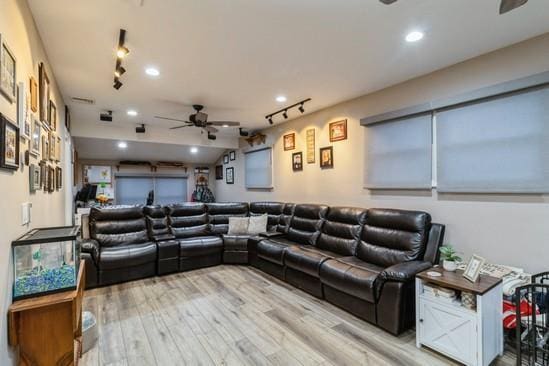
column 259, row 169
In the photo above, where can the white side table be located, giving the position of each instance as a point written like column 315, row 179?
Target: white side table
column 473, row 337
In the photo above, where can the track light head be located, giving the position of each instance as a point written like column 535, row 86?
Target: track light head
column 211, row 137
column 301, row 109
column 117, row 84
column 119, row 71
column 285, row 114
column 242, row 132
column 271, row 120
column 122, row 51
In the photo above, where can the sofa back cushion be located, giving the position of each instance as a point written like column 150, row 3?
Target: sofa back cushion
column 118, row 225
column 341, row 230
column 272, row 209
column 393, row 236
column 219, row 214
column 157, row 221
column 306, row 223
column 188, row 220
column 285, row 218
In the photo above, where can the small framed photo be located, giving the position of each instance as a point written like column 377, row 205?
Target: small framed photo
column 338, row 131
column 58, row 178
column 472, row 271
column 45, row 147
column 33, row 94
column 219, row 172
column 229, row 175
column 52, row 116
column 44, row 94
column 23, row 112
column 326, row 157
column 8, row 84
column 225, row 159
column 9, row 144
column 34, row 178
column 297, row 161
column 289, row 141
column 35, row 138
column 67, row 118
column 232, row 155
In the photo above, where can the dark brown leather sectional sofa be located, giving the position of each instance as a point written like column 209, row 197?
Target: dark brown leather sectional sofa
column 362, row 260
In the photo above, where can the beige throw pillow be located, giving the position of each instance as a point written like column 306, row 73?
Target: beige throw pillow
column 258, row 224
column 238, row 225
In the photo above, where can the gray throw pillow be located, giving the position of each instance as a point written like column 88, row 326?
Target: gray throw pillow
column 258, row 224
column 238, row 225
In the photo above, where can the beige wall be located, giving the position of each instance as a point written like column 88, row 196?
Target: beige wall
column 18, row 30
column 511, row 229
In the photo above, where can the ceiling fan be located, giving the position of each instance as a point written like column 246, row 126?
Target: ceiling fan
column 200, row 120
column 504, row 7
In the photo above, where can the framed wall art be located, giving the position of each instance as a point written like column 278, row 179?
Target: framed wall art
column 44, row 94
column 58, row 178
column 51, row 179
column 219, row 172
column 326, row 157
column 67, row 118
column 338, row 131
column 9, row 144
column 34, row 177
column 289, row 141
column 51, row 145
column 33, row 94
column 45, row 147
column 232, row 155
column 225, row 159
column 35, row 138
column 57, row 148
column 8, row 68
column 229, row 175
column 297, row 161
column 310, row 140
column 23, row 112
column 52, row 116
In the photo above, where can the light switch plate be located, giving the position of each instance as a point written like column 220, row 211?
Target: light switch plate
column 26, row 213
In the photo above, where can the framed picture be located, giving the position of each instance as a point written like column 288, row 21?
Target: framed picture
column 57, row 148
column 52, row 116
column 58, row 178
column 289, row 141
column 45, row 147
column 67, row 118
column 33, row 94
column 9, row 144
column 297, row 161
column 232, row 155
column 51, row 179
column 23, row 112
column 472, row 272
column 310, row 136
column 225, row 159
column 35, row 138
column 219, row 172
column 326, row 157
column 51, row 145
column 34, row 178
column 8, row 85
column 44, row 94
column 229, row 175
column 338, row 131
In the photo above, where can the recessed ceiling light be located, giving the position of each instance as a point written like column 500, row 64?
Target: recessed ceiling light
column 281, row 99
column 151, row 71
column 414, row 36
column 122, row 145
column 132, row 113
column 225, row 126
column 194, row 150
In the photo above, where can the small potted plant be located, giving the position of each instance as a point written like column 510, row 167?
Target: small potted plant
column 449, row 258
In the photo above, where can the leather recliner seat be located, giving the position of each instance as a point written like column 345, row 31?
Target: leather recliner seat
column 235, row 247
column 159, row 231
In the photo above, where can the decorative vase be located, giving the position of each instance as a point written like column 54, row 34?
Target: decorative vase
column 449, row 266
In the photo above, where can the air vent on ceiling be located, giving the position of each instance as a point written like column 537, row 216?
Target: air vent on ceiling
column 83, row 100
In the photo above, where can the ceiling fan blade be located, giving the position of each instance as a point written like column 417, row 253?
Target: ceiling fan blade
column 508, row 5
column 172, row 119
column 176, row 127
column 211, row 129
column 388, row 2
column 224, row 123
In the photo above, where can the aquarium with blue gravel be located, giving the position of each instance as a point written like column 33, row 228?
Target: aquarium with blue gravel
column 45, row 260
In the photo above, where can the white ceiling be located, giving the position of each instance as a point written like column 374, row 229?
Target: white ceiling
column 236, row 56
column 105, row 149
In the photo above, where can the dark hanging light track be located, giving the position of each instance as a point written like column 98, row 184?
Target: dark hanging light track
column 284, row 111
column 121, row 52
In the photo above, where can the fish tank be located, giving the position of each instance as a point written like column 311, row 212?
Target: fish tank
column 45, row 261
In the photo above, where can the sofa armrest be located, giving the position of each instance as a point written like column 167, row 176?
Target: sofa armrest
column 91, row 247
column 405, row 271
column 163, row 237
column 271, row 234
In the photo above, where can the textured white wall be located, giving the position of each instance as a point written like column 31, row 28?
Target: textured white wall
column 18, row 30
column 511, row 229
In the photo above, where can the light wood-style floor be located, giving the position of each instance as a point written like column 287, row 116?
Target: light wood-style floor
column 236, row 315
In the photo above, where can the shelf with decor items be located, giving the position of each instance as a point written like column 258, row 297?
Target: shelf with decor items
column 459, row 318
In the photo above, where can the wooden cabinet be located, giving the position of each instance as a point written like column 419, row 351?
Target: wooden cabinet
column 47, row 330
column 470, row 336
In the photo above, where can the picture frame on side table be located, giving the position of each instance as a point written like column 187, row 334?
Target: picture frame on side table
column 8, row 72
column 232, row 155
column 44, row 94
column 9, row 144
column 33, row 94
column 289, row 141
column 34, row 178
column 297, row 161
column 326, row 157
column 225, row 159
column 338, row 131
column 219, row 172
column 229, row 175
column 472, row 271
column 23, row 112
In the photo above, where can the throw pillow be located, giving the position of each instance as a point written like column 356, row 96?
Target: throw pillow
column 258, row 224
column 238, row 225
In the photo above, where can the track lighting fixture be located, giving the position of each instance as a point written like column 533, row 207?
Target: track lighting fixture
column 121, row 52
column 119, row 71
column 242, row 132
column 284, row 111
column 117, row 84
column 211, row 137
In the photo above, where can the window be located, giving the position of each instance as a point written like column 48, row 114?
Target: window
column 259, row 169
column 399, row 154
column 133, row 190
column 496, row 146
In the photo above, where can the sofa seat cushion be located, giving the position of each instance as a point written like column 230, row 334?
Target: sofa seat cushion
column 352, row 276
column 235, row 242
column 199, row 246
column 272, row 250
column 124, row 256
column 307, row 259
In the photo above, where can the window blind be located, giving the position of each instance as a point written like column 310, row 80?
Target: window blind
column 258, row 168
column 133, row 190
column 170, row 190
column 399, row 154
column 496, row 146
